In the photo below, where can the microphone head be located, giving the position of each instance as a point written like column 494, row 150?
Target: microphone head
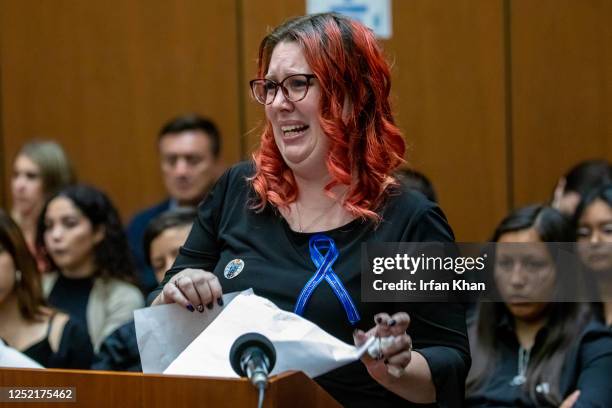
column 246, row 341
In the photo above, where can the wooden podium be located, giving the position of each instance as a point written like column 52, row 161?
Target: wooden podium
column 126, row 390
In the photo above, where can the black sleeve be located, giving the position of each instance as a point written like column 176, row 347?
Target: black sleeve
column 201, row 250
column 595, row 368
column 119, row 351
column 75, row 350
column 438, row 330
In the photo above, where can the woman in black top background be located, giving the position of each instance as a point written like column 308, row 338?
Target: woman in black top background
column 531, row 353
column 594, row 243
column 92, row 276
column 322, row 180
column 26, row 322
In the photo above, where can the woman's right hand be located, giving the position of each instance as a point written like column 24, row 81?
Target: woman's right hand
column 194, row 289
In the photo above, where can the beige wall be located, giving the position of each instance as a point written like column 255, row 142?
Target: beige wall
column 496, row 98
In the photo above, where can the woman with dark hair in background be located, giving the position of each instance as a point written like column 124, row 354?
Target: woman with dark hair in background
column 594, row 237
column 162, row 239
column 528, row 351
column 578, row 181
column 323, row 179
column 93, row 272
column 40, row 169
column 27, row 323
column 418, row 181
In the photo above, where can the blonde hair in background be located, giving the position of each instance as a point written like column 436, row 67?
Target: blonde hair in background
column 55, row 167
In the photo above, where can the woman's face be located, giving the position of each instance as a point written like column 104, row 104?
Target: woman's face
column 296, row 127
column 165, row 247
column 524, row 273
column 27, row 186
column 594, row 236
column 7, row 274
column 69, row 236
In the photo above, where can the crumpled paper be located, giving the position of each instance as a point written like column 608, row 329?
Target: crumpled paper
column 300, row 344
column 164, row 331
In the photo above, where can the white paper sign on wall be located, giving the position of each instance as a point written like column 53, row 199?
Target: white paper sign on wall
column 376, row 14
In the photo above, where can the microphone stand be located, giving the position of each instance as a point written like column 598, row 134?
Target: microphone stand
column 253, row 356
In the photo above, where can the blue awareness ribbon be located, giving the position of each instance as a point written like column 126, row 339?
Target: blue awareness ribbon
column 317, row 243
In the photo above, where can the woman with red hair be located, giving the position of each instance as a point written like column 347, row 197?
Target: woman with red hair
column 319, row 186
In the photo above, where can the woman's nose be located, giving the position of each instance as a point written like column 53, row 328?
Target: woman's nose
column 56, row 233
column 18, row 183
column 280, row 101
column 517, row 277
column 595, row 237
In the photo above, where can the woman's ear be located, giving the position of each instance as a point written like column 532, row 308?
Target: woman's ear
column 99, row 234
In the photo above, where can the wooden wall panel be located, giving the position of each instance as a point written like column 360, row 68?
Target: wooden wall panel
column 561, row 90
column 450, row 103
column 448, row 74
column 103, row 77
column 258, row 18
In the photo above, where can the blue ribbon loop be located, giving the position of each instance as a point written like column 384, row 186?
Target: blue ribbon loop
column 317, row 243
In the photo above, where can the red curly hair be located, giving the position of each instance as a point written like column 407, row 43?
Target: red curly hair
column 365, row 145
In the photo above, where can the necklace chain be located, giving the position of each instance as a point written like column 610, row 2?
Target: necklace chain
column 523, row 362
column 299, row 216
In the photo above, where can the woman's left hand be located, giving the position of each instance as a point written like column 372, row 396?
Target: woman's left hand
column 394, row 357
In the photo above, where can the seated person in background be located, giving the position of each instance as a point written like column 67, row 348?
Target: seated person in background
column 9, row 357
column 40, row 169
column 594, row 237
column 527, row 352
column 93, row 273
column 418, row 181
column 189, row 148
column 27, row 324
column 162, row 240
column 578, row 181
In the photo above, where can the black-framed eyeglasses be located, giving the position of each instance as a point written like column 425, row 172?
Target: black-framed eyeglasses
column 295, row 88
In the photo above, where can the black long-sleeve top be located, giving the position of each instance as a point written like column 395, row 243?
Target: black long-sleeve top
column 587, row 367
column 277, row 265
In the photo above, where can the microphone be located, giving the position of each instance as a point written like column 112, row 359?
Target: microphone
column 252, row 355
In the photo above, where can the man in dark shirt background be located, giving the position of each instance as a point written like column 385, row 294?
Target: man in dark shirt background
column 189, row 148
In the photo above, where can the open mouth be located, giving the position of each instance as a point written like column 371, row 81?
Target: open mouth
column 294, row 131
column 58, row 252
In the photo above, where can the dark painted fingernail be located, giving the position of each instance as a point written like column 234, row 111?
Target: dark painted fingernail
column 200, row 308
column 190, row 308
column 220, row 301
column 378, row 320
column 391, row 322
column 209, row 306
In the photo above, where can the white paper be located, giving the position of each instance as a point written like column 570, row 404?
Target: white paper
column 163, row 331
column 9, row 357
column 300, row 344
column 375, row 14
